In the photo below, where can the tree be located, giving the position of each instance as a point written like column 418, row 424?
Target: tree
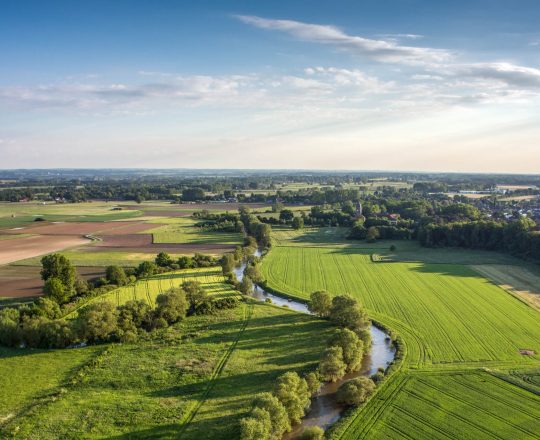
column 298, row 223
column 146, row 269
column 97, row 322
column 292, row 391
column 355, row 391
column 55, row 290
column 58, row 266
column 346, row 312
column 286, row 215
column 277, row 206
column 352, row 348
column 58, row 334
column 9, row 327
column 131, row 316
column 46, row 307
column 184, row 262
column 332, row 367
column 320, row 303
column 372, row 234
column 253, row 271
column 172, row 305
column 195, row 293
column 228, row 263
column 192, row 194
column 312, row 433
column 278, row 414
column 313, row 382
column 163, row 259
column 257, row 426
column 116, row 275
column 246, row 285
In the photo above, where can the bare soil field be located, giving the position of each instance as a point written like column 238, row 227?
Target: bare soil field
column 27, row 247
column 74, row 228
column 25, row 281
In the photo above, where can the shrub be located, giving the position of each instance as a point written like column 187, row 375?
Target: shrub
column 312, row 433
column 332, row 366
column 97, row 322
column 46, row 307
column 9, row 327
column 172, row 305
column 58, row 334
column 355, row 391
column 116, row 275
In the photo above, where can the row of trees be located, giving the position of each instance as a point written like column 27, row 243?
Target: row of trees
column 516, row 237
column 41, row 324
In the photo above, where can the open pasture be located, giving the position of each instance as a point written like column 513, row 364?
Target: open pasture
column 191, row 381
column 449, row 313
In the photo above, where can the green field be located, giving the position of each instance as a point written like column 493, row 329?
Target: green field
column 453, row 321
column 191, row 381
column 19, row 214
column 183, row 230
column 457, row 405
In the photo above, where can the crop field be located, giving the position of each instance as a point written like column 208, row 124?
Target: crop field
column 453, row 322
column 191, row 381
column 183, row 230
column 211, row 279
column 462, row 405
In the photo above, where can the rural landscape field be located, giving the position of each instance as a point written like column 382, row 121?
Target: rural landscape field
column 300, row 220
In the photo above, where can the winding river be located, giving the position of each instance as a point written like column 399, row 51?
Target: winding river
column 325, row 410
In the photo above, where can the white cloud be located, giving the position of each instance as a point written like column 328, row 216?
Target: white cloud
column 380, row 50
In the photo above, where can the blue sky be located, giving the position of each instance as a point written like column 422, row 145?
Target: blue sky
column 394, row 85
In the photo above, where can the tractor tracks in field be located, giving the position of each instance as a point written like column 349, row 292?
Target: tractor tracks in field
column 192, row 412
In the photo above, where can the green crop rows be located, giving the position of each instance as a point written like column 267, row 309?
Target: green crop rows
column 454, row 324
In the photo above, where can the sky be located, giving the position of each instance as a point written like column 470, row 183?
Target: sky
column 409, row 85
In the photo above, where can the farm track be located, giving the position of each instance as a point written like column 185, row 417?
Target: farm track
column 192, row 412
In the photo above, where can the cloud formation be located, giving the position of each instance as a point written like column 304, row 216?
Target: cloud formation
column 380, row 50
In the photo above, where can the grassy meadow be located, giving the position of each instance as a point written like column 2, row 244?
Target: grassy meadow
column 193, row 380
column 183, row 230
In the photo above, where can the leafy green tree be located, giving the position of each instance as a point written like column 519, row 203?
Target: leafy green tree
column 346, row 312
column 116, row 275
column 195, row 293
column 133, row 315
column 163, row 259
column 58, row 266
column 97, row 322
column 313, row 382
column 278, row 414
column 292, row 391
column 55, row 290
column 172, row 305
column 355, row 391
column 253, row 271
column 286, row 215
column 352, row 347
column 58, row 334
column 146, row 269
column 46, row 307
column 332, row 366
column 298, row 223
column 320, row 303
column 372, row 234
column 184, row 262
column 32, row 331
column 9, row 327
column 312, row 433
column 246, row 285
column 228, row 263
column 257, row 426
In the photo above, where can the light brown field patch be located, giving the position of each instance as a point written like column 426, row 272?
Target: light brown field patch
column 515, row 279
column 83, row 228
column 28, row 247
